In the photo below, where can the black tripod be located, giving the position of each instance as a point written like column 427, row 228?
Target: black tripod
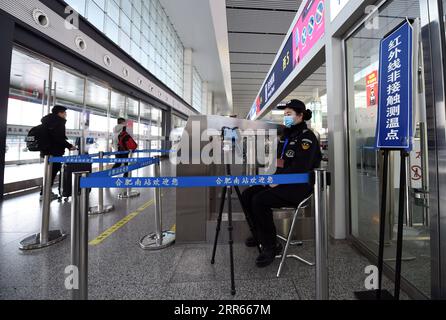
column 227, row 191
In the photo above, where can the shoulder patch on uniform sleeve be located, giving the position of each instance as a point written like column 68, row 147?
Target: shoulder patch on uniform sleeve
column 306, row 146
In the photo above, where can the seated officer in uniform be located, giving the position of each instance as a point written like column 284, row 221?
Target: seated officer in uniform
column 298, row 152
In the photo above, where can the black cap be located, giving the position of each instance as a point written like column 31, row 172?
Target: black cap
column 294, row 104
column 57, row 109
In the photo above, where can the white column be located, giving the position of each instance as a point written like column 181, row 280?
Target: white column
column 336, row 139
column 204, row 97
column 210, row 103
column 188, row 75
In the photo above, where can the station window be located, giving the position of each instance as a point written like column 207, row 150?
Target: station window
column 159, row 49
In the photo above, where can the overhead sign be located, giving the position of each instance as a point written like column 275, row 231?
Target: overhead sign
column 309, row 29
column 394, row 127
column 280, row 72
column 336, row 6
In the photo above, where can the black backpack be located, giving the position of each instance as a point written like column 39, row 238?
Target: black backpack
column 37, row 139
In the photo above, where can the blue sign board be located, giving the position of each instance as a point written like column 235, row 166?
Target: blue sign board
column 394, row 127
column 279, row 73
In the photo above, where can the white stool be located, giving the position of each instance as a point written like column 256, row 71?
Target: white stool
column 304, row 204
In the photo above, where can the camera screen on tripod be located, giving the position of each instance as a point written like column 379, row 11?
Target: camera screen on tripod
column 230, row 134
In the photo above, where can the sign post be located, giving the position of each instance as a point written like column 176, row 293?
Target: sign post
column 394, row 132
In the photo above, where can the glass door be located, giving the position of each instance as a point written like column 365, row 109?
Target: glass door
column 365, row 163
column 156, row 129
column 69, row 92
column 117, row 110
column 97, row 105
column 145, row 125
column 28, row 102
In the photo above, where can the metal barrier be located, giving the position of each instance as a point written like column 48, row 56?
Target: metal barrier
column 101, row 208
column 129, row 193
column 159, row 239
column 79, row 236
column 46, row 237
column 321, row 233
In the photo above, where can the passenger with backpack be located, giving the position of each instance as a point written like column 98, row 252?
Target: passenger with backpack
column 122, row 141
column 50, row 139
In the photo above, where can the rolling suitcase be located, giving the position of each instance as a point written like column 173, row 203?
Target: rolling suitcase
column 67, row 171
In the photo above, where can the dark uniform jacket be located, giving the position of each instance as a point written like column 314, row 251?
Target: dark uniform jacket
column 56, row 135
column 300, row 150
column 301, row 154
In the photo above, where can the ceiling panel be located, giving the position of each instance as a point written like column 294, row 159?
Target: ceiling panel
column 259, row 21
column 316, row 83
column 248, row 75
column 254, row 42
column 256, row 29
column 251, row 67
column 253, row 87
column 291, row 5
column 237, row 81
column 252, row 58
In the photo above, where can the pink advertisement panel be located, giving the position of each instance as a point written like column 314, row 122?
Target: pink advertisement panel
column 308, row 30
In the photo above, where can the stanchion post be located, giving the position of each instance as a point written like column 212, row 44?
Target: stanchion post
column 45, row 238
column 129, row 193
column 251, row 156
column 101, row 208
column 79, row 236
column 159, row 239
column 321, row 230
column 45, row 224
column 158, row 208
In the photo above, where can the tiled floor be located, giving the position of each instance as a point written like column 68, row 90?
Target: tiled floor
column 120, row 269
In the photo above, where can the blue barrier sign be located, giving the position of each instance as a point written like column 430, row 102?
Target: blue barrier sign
column 121, row 170
column 90, row 160
column 394, row 126
column 192, row 182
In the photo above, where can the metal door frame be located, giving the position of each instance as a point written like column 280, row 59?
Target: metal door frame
column 433, row 28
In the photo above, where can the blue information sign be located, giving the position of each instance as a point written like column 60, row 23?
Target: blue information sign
column 394, row 127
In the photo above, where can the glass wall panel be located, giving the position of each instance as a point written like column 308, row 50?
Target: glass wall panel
column 178, row 126
column 123, row 21
column 117, row 110
column 145, row 125
column 70, row 93
column 132, row 115
column 97, row 100
column 27, row 105
column 362, row 56
column 196, row 91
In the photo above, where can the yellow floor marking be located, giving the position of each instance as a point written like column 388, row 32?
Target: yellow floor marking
column 107, row 233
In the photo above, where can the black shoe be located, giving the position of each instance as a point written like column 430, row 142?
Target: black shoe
column 251, row 242
column 268, row 255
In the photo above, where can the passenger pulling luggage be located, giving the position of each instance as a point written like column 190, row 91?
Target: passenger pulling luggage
column 65, row 181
